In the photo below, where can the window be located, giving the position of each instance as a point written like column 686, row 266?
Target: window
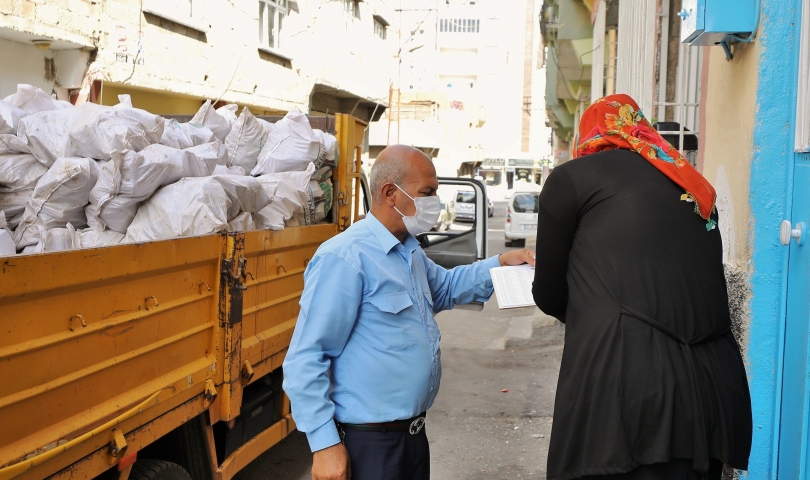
column 459, row 25
column 271, row 19
column 526, row 203
column 182, row 12
column 352, row 7
column 380, row 27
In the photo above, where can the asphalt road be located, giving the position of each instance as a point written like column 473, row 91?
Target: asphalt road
column 476, row 429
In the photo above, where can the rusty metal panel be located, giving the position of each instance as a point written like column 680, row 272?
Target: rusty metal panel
column 89, row 334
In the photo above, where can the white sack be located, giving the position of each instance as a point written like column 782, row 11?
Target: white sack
column 241, row 223
column 291, row 145
column 7, row 246
column 10, row 117
column 185, row 135
column 13, row 204
column 58, row 199
column 317, row 206
column 214, row 120
column 289, row 197
column 113, row 130
column 212, row 154
column 225, row 170
column 132, row 177
column 90, row 238
column 246, row 140
column 246, row 194
column 192, row 206
column 323, row 173
column 228, row 112
column 328, row 151
column 18, row 170
column 48, row 133
column 31, row 99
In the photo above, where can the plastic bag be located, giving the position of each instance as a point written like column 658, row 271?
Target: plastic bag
column 317, row 206
column 212, row 154
column 58, row 198
column 241, row 223
column 225, row 170
column 68, row 238
column 246, row 193
column 185, row 135
column 31, row 99
column 19, row 170
column 218, row 121
column 289, row 197
column 48, row 133
column 7, row 246
column 192, row 206
column 132, row 177
column 113, row 130
column 291, row 145
column 246, row 140
column 10, row 117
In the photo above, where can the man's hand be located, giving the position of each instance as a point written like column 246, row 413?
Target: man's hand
column 331, row 463
column 517, row 257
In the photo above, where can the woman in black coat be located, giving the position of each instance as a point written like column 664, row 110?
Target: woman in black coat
column 652, row 384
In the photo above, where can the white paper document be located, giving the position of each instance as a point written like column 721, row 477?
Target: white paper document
column 513, row 286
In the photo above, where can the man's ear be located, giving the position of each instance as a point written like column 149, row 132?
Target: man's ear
column 388, row 191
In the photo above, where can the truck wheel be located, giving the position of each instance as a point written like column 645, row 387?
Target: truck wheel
column 158, row 470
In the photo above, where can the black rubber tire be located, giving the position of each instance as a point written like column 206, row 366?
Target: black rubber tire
column 158, row 470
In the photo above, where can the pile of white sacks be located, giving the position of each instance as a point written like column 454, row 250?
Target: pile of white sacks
column 92, row 175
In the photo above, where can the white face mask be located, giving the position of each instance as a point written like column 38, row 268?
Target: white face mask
column 427, row 213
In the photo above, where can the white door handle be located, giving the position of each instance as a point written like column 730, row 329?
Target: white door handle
column 786, row 232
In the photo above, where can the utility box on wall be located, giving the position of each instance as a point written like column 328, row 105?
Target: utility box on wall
column 710, row 22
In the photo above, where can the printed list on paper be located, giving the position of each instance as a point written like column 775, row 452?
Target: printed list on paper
column 513, row 286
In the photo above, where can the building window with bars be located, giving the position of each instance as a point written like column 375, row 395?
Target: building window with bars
column 271, row 19
column 380, row 27
column 460, row 25
column 352, row 8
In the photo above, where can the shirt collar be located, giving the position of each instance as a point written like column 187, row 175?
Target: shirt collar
column 384, row 236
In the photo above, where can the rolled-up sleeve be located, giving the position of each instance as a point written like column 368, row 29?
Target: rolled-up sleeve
column 329, row 304
column 460, row 285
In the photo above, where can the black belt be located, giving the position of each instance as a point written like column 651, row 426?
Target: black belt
column 700, row 449
column 412, row 425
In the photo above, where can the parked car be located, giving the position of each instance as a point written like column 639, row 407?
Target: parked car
column 465, row 205
column 446, row 217
column 521, row 217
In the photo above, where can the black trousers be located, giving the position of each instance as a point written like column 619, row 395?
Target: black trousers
column 676, row 469
column 388, row 455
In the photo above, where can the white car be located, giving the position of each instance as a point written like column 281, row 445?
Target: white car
column 521, row 217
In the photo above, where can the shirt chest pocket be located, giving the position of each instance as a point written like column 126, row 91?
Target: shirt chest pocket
column 393, row 326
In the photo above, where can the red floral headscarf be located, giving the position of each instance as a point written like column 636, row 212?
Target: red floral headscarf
column 616, row 122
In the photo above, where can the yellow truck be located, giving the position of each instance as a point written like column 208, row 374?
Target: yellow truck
column 163, row 359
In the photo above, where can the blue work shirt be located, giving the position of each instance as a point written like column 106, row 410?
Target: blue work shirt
column 366, row 346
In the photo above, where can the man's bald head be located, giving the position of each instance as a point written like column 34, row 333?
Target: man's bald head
column 397, row 164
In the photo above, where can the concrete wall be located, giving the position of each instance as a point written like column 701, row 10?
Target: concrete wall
column 729, row 103
column 217, row 54
column 21, row 63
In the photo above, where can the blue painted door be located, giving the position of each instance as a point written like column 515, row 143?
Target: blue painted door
column 793, row 445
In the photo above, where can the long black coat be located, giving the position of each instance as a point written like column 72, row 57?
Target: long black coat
column 650, row 370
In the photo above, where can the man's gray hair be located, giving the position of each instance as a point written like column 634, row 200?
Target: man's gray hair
column 392, row 170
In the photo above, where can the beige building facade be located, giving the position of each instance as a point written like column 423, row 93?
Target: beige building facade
column 272, row 55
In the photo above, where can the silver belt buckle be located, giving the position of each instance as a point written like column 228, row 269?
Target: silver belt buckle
column 417, row 425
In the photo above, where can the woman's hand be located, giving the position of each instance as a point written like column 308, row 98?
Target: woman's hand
column 517, row 257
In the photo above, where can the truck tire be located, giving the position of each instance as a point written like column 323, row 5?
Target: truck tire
column 158, row 470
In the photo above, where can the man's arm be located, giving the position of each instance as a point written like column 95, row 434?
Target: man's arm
column 333, row 290
column 468, row 283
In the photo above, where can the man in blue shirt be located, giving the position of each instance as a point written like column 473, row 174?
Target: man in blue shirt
column 364, row 362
